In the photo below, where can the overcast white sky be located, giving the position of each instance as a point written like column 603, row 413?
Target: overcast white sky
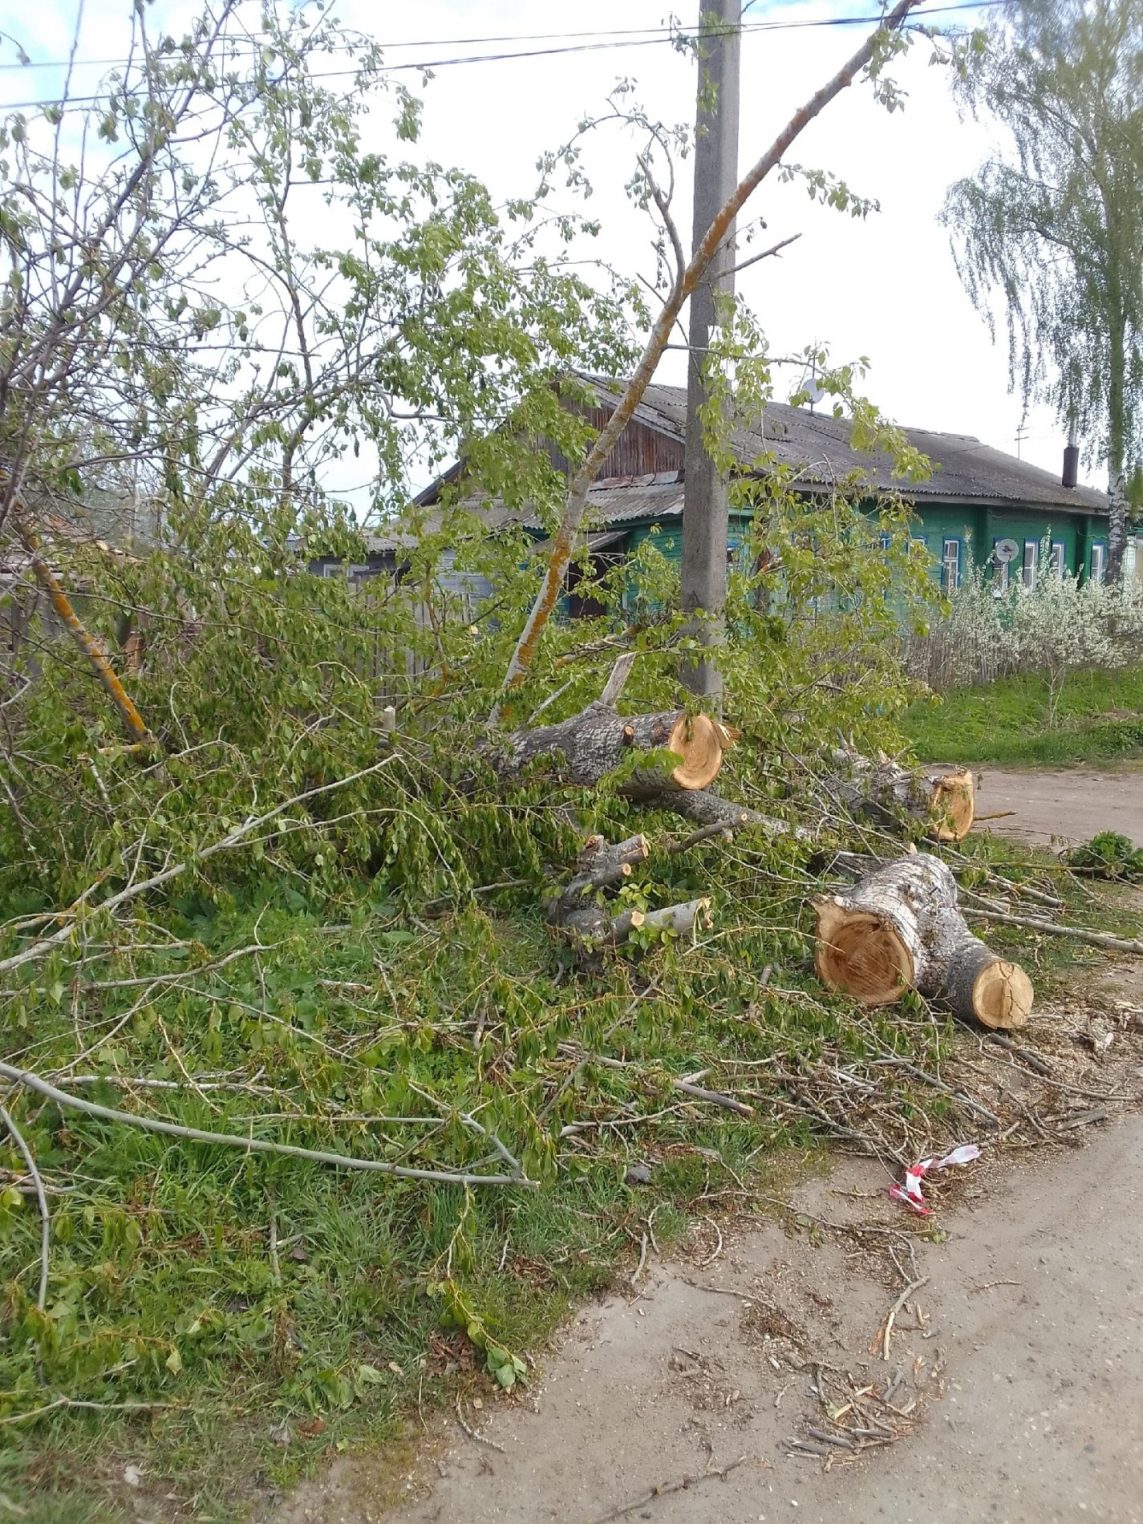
column 885, row 288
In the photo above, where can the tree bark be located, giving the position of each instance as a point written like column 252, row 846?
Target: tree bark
column 96, row 657
column 941, row 804
column 581, row 915
column 596, row 741
column 707, row 809
column 900, row 929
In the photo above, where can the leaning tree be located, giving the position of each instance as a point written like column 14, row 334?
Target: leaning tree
column 1053, row 223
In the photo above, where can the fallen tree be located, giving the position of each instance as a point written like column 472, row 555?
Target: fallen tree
column 900, row 928
column 941, row 805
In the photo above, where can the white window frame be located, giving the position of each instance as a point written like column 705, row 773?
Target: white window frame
column 1058, row 559
column 949, row 584
column 1098, row 561
column 1030, row 564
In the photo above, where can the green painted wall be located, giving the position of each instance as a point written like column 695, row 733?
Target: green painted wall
column 979, row 529
column 976, row 530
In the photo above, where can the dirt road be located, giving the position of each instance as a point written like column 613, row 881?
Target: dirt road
column 1021, row 1363
column 1063, row 806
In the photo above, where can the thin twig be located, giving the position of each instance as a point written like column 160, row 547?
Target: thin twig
column 664, row 1489
column 1055, row 929
column 472, row 1434
column 42, row 1202
column 896, row 1308
column 714, row 1097
column 769, row 253
column 638, row 1270
column 89, row 1407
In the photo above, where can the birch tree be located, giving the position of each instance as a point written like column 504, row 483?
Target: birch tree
column 1053, row 223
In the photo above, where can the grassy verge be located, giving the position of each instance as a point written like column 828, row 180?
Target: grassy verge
column 271, row 1313
column 1100, row 719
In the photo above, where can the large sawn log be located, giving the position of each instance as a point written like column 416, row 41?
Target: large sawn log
column 900, row 929
column 596, row 741
column 941, row 804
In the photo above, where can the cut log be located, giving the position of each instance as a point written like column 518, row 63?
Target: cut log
column 899, row 929
column 596, row 741
column 941, row 804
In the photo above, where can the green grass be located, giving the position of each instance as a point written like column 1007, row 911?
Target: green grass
column 253, row 1299
column 266, row 1299
column 1100, row 719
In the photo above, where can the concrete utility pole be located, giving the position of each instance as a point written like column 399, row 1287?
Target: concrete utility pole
column 705, row 491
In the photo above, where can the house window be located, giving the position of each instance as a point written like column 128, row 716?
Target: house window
column 1098, row 561
column 1031, row 561
column 885, row 540
column 1058, row 562
column 950, row 566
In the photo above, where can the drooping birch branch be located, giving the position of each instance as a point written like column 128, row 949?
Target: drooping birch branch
column 133, row 890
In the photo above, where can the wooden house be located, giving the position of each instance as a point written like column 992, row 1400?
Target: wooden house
column 978, row 503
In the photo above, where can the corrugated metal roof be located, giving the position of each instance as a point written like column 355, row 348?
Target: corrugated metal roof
column 818, row 448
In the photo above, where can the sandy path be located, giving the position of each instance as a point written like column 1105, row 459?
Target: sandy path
column 1028, row 1373
column 1063, row 806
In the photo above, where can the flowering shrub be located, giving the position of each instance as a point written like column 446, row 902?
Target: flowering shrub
column 1059, row 626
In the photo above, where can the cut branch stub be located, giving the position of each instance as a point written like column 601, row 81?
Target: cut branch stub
column 900, row 928
column 596, row 741
column 590, row 925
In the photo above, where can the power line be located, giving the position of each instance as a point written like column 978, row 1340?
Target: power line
column 650, row 33
column 425, row 65
column 389, row 47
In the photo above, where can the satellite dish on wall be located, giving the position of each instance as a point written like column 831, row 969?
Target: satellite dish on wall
column 812, row 390
column 1005, row 551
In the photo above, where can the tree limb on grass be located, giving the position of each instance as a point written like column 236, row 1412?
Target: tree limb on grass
column 1056, row 929
column 70, row 1102
column 157, row 880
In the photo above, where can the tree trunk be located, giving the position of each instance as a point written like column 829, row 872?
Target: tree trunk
column 594, row 742
column 941, row 804
column 900, row 929
column 1116, row 433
